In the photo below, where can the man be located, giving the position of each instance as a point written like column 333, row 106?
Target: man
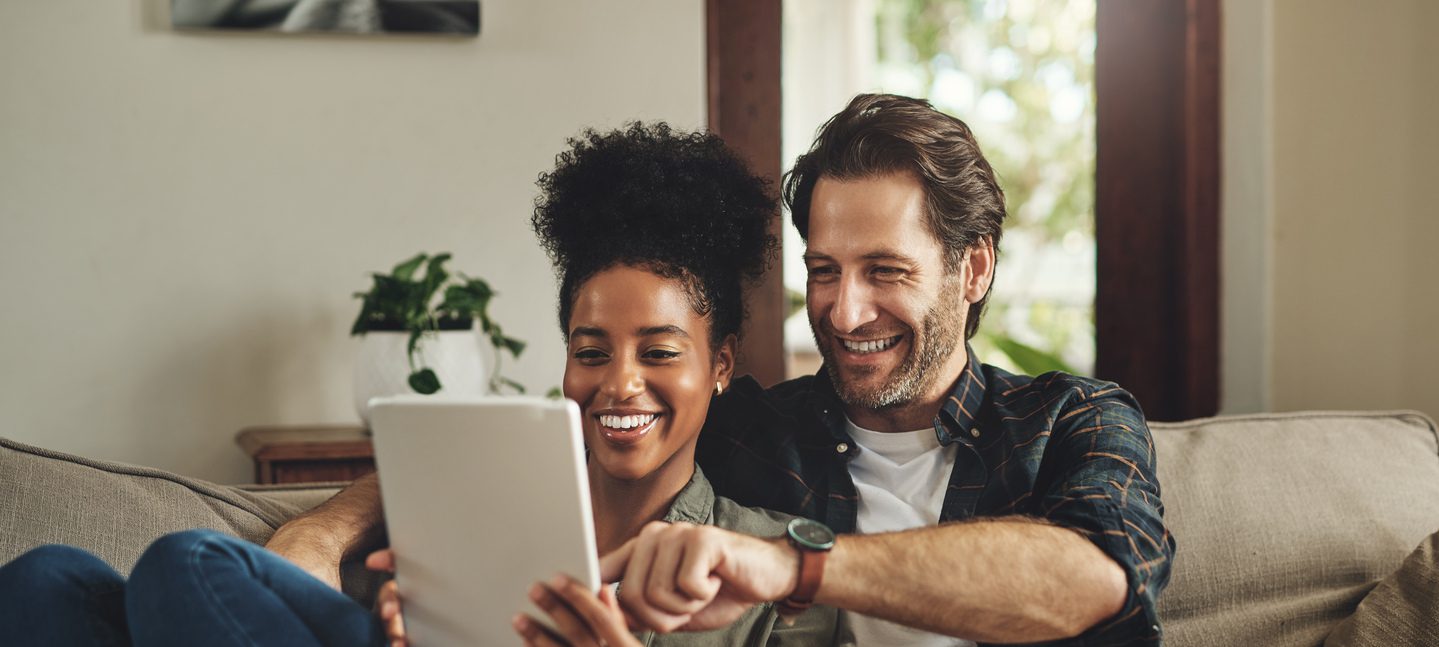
column 973, row 505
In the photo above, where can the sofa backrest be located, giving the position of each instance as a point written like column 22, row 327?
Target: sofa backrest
column 1285, row 521
column 115, row 510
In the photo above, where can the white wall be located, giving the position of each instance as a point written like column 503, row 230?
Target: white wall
column 183, row 216
column 1247, row 205
column 1331, row 205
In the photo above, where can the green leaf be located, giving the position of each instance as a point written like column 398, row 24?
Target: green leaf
column 499, row 381
column 511, row 344
column 404, row 271
column 424, row 381
column 554, row 393
column 1029, row 359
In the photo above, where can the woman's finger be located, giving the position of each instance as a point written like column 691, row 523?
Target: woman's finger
column 390, row 613
column 534, row 633
column 603, row 617
column 569, row 625
column 381, row 560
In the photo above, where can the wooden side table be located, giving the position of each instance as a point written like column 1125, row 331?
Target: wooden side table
column 306, row 454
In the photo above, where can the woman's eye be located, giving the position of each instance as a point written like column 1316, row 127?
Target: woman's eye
column 589, row 354
column 661, row 354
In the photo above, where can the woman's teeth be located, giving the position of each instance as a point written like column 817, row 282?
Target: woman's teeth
column 870, row 346
column 627, row 422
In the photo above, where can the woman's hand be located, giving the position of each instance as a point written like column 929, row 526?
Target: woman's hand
column 388, row 605
column 583, row 618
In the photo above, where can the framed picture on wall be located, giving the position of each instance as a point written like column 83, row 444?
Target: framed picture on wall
column 449, row 17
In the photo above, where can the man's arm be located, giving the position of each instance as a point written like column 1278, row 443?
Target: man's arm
column 351, row 523
column 1100, row 552
column 1000, row 580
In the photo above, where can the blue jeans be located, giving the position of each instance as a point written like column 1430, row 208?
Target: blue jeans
column 197, row 587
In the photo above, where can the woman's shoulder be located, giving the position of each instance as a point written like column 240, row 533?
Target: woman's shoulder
column 759, row 522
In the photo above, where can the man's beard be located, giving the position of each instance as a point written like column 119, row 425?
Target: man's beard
column 940, row 332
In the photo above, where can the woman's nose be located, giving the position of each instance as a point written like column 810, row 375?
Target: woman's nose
column 624, row 380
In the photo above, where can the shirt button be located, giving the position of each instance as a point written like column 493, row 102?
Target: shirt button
column 842, row 447
column 974, row 432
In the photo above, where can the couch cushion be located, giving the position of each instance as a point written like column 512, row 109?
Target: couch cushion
column 115, row 510
column 1402, row 610
column 1285, row 521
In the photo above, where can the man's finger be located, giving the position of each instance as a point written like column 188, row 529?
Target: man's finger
column 612, row 565
column 636, row 579
column 661, row 588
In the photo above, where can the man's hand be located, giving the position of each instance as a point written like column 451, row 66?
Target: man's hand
column 686, row 577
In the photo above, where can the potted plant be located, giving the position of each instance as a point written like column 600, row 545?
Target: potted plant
column 414, row 343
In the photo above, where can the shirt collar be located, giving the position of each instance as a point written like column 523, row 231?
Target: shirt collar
column 957, row 419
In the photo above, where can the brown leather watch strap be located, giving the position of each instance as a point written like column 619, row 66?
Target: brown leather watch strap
column 811, row 573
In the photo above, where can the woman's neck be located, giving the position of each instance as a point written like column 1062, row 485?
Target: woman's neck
column 622, row 508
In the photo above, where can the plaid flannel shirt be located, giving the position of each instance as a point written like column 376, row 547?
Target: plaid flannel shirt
column 1073, row 451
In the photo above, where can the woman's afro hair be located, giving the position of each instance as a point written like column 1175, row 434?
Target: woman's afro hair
column 680, row 204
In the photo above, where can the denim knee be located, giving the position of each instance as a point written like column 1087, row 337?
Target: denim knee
column 61, row 595
column 56, row 571
column 170, row 552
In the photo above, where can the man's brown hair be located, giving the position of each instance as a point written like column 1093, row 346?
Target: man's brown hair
column 879, row 134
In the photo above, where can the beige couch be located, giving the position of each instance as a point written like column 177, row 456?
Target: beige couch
column 1284, row 522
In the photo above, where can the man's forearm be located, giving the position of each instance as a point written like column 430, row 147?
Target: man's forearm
column 347, row 525
column 1002, row 580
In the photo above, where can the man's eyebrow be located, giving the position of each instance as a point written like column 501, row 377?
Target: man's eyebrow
column 663, row 330
column 885, row 255
column 881, row 255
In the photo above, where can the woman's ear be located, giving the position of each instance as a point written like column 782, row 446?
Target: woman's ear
column 724, row 360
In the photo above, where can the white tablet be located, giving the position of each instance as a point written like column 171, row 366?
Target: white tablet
column 483, row 496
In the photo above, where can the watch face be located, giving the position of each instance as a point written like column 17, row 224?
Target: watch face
column 811, row 534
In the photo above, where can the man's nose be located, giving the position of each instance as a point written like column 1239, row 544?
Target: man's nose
column 624, row 380
column 853, row 306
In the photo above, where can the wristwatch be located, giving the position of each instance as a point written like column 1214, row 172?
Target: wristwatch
column 813, row 540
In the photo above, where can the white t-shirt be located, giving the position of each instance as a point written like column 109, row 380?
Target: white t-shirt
column 901, row 478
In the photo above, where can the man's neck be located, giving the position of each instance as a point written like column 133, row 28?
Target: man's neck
column 918, row 413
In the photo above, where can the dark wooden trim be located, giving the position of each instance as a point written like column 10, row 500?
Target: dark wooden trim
column 743, row 64
column 1157, row 203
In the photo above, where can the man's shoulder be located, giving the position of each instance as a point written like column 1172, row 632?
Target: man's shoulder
column 1055, row 392
column 746, row 404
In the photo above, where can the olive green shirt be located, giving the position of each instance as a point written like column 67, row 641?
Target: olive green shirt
column 760, row 626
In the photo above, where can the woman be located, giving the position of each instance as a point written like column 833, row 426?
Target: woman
column 653, row 234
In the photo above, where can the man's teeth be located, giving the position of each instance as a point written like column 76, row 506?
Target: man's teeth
column 869, row 346
column 627, row 422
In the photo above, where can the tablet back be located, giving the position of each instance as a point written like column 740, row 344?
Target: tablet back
column 483, row 496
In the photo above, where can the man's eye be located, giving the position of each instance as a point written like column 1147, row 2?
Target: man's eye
column 822, row 272
column 888, row 272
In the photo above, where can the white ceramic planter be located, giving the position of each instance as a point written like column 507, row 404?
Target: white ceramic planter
column 382, row 367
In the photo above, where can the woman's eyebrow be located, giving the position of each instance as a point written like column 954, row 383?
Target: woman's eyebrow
column 588, row 331
column 663, row 330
